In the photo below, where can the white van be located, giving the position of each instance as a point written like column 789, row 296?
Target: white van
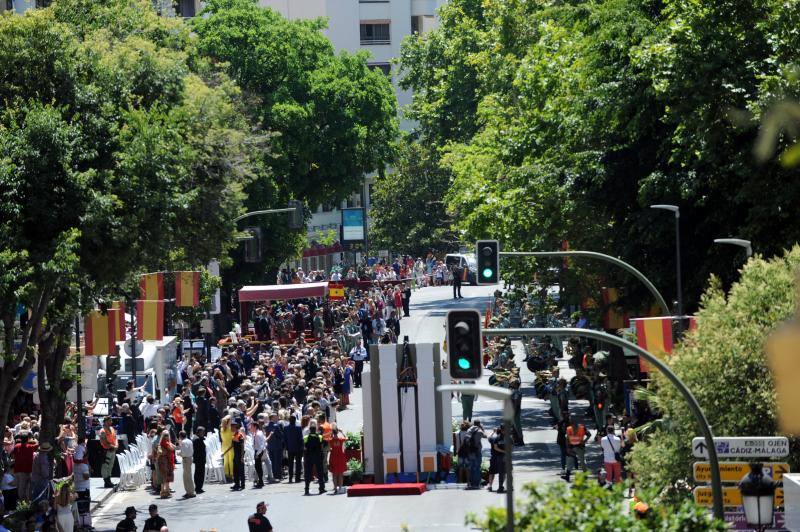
column 466, row 262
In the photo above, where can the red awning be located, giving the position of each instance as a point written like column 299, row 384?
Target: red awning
column 282, row 292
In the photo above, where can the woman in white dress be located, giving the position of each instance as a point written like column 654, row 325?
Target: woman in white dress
column 65, row 521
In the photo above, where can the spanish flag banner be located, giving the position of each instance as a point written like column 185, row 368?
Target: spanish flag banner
column 149, row 320
column 612, row 318
column 335, row 291
column 119, row 319
column 187, row 289
column 99, row 334
column 151, row 286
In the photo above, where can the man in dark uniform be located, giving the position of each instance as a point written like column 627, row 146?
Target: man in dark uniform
column 129, row 523
column 312, row 454
column 155, row 522
column 458, row 272
column 406, row 299
column 258, row 522
column 199, row 459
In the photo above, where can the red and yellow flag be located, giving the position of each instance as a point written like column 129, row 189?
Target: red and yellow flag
column 335, row 291
column 151, row 286
column 187, row 289
column 612, row 318
column 99, row 334
column 149, row 320
column 118, row 318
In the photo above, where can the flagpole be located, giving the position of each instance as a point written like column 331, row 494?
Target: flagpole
column 133, row 341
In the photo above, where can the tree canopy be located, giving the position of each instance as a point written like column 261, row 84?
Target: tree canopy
column 122, row 151
column 565, row 121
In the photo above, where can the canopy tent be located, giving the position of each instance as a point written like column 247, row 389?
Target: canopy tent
column 282, row 292
column 277, row 292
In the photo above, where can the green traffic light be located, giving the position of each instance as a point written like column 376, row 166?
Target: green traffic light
column 487, row 272
column 464, row 363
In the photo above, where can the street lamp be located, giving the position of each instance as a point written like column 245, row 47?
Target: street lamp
column 676, row 210
column 758, row 497
column 746, row 244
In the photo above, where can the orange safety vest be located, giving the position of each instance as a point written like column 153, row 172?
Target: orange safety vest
column 111, row 439
column 576, row 438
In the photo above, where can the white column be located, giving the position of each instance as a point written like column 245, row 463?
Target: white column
column 447, row 410
column 368, row 458
column 388, row 389
column 427, row 397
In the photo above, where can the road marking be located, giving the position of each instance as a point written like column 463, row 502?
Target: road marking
column 366, row 510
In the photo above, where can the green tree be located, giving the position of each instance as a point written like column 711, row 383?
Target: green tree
column 122, row 152
column 408, row 213
column 331, row 117
column 722, row 359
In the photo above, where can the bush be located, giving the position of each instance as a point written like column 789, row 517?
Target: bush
column 723, row 363
column 585, row 505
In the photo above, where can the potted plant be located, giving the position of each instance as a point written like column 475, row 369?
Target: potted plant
column 354, row 473
column 352, row 447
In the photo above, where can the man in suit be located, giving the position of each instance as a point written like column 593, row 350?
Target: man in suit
column 458, row 272
column 199, row 459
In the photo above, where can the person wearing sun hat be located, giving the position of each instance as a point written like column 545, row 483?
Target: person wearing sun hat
column 42, row 472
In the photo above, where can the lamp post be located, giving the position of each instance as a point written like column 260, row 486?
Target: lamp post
column 677, row 212
column 746, row 244
column 758, row 497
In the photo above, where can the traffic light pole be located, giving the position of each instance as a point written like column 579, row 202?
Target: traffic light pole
column 258, row 213
column 694, row 406
column 599, row 256
column 502, row 394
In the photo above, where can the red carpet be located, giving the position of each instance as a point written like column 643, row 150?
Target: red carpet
column 370, row 490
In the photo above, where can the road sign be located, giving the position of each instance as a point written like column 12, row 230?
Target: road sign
column 734, row 471
column 730, row 496
column 738, row 521
column 743, row 447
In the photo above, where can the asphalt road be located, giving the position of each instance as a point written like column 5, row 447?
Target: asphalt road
column 440, row 509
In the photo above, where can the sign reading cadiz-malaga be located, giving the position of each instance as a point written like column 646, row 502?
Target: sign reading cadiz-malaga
column 743, row 447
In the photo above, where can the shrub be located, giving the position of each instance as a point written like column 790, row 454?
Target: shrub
column 723, row 364
column 585, row 505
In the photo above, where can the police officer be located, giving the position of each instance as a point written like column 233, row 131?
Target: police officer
column 458, row 271
column 258, row 522
column 312, row 458
column 108, row 441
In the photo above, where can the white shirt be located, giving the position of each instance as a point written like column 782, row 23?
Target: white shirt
column 610, row 444
column 148, row 410
column 259, row 441
column 186, row 448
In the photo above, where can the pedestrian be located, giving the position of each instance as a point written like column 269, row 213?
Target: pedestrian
column 259, row 448
column 294, row 447
column 237, row 451
column 62, row 501
column 312, row 457
column 474, row 454
column 23, row 464
column 516, row 402
column 258, row 522
column 627, row 447
column 337, row 461
column 226, row 438
column 457, row 273
column 275, row 445
column 497, row 459
column 199, row 459
column 186, row 448
column 165, row 453
column 577, row 436
column 612, row 458
column 561, row 438
column 129, row 523
column 82, row 479
column 42, row 472
column 467, row 401
column 406, row 299
column 358, row 354
column 108, row 441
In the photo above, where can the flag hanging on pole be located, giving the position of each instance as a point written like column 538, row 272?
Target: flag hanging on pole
column 119, row 319
column 187, row 289
column 151, row 286
column 149, row 320
column 99, row 334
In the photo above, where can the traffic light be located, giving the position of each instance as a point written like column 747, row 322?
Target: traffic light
column 464, row 344
column 488, row 256
column 297, row 216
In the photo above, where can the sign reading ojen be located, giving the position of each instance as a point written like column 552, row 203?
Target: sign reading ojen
column 743, row 447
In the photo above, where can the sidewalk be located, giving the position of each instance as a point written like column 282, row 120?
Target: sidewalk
column 98, row 493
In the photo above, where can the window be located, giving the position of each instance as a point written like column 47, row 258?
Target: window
column 375, row 33
column 415, row 24
column 386, row 68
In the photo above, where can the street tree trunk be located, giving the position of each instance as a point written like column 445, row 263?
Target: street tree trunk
column 53, row 353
